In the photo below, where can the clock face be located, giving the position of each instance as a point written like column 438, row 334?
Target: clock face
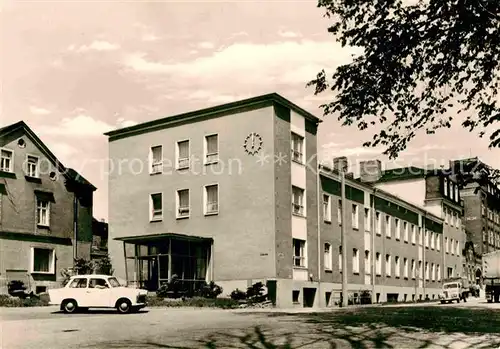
column 253, row 143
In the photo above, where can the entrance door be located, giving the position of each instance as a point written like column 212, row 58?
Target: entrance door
column 309, row 295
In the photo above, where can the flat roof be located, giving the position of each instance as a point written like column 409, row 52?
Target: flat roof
column 140, row 239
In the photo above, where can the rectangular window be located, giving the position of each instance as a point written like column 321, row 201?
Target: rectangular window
column 426, row 238
column 340, row 258
column 183, row 154
column 452, row 246
column 445, row 186
column 458, row 249
column 328, row 256
column 368, row 263
column 446, row 245
column 405, row 268
column 433, row 272
column 211, row 149
column 355, row 261
column 432, row 240
column 367, row 219
column 405, row 231
column 398, row 228
column 413, row 269
column 211, row 199
column 388, row 226
column 397, row 266
column 388, row 265
column 43, row 212
column 378, row 263
column 6, row 159
column 438, row 242
column 297, row 201
column 42, row 260
column 156, row 207
column 327, row 211
column 32, row 166
column 299, row 257
column 339, row 212
column 427, row 270
column 183, row 203
column 379, row 223
column 156, row 159
column 413, row 234
column 438, row 272
column 445, row 210
column 355, row 216
column 297, row 148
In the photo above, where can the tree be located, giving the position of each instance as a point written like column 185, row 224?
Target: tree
column 422, row 64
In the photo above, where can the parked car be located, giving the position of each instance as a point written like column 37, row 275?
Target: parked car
column 97, row 291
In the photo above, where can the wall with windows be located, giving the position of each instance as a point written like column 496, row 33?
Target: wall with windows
column 225, row 193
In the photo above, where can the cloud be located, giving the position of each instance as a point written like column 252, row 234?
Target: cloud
column 288, row 34
column 150, row 37
column 39, row 111
column 214, row 97
column 80, row 125
column 121, row 122
column 206, row 45
column 280, row 62
column 96, row 45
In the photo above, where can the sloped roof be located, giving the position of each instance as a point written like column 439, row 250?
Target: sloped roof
column 69, row 173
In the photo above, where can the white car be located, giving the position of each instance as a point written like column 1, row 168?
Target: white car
column 97, row 291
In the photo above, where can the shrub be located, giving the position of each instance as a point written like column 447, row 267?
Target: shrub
column 211, row 290
column 103, row 266
column 197, row 302
column 171, row 289
column 255, row 293
column 238, row 295
column 11, row 302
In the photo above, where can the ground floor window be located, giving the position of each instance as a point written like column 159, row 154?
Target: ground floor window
column 295, row 296
column 42, row 260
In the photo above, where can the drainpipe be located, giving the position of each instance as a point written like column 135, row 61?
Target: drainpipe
column 75, row 227
column 372, row 257
column 319, row 197
column 423, row 253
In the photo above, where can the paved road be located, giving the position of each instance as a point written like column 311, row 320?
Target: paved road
column 47, row 328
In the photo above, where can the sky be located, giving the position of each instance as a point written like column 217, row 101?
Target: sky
column 73, row 70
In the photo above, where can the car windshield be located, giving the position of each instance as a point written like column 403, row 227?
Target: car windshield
column 113, row 282
column 450, row 286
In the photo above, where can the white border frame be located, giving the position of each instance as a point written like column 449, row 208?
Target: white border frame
column 205, row 149
column 177, row 154
column 177, row 201
column 37, row 174
column 304, row 202
column 36, row 214
column 151, row 219
column 303, row 148
column 150, row 166
column 52, row 266
column 11, row 159
column 330, row 268
column 205, row 198
column 328, row 217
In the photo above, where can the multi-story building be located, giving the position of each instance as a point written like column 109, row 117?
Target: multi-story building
column 41, row 203
column 234, row 194
column 438, row 193
column 99, row 247
column 481, row 206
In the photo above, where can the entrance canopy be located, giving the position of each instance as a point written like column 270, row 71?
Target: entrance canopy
column 157, row 258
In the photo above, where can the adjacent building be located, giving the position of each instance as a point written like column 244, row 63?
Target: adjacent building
column 99, row 247
column 43, row 206
column 235, row 194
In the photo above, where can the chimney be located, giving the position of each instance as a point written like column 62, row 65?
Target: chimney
column 370, row 171
column 341, row 164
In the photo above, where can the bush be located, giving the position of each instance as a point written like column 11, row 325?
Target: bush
column 171, row 289
column 255, row 293
column 238, row 295
column 103, row 266
column 211, row 290
column 197, row 302
column 14, row 302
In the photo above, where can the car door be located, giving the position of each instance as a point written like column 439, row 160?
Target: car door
column 77, row 290
column 98, row 292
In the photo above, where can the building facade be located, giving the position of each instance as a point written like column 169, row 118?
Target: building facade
column 235, row 194
column 37, row 212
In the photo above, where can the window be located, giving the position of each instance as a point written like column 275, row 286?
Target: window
column 211, row 149
column 43, row 212
column 397, row 262
column 420, row 270
column 388, row 226
column 445, row 215
column 299, row 257
column 355, row 216
column 355, row 261
column 433, row 272
column 405, row 268
column 42, row 260
column 483, row 209
column 438, row 272
column 78, row 283
column 295, row 296
column 452, row 246
column 432, row 240
column 340, row 258
column 457, row 198
column 32, row 166
column 156, row 207
column 405, row 231
column 367, row 219
column 452, row 191
column 378, row 263
column 211, row 199
column 458, row 248
column 446, row 246
column 156, row 159
column 438, row 242
column 445, row 185
column 427, row 270
column 367, row 262
column 452, row 218
column 426, row 238
column 413, row 234
column 183, row 203
column 388, row 264
column 98, row 283
column 398, row 228
column 298, row 201
column 413, row 269
column 6, row 160
column 379, row 223
column 297, row 148
column 339, row 212
column 183, row 155
column 327, row 212
column 328, row 256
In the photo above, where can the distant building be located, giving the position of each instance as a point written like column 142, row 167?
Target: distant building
column 235, row 194
column 99, row 239
column 40, row 200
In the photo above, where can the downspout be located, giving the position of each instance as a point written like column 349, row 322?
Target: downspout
column 423, row 253
column 318, row 178
column 75, row 227
column 372, row 257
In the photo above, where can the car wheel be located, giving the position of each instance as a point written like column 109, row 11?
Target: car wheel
column 69, row 306
column 124, row 306
column 442, row 302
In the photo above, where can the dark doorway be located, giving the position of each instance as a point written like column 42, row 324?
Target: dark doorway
column 309, row 295
column 328, row 295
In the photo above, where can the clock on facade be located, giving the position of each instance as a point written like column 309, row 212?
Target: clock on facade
column 253, row 143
